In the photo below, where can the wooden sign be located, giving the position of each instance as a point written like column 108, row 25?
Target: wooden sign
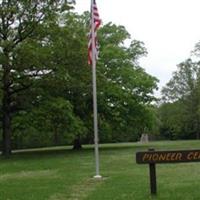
column 153, row 157
column 168, row 156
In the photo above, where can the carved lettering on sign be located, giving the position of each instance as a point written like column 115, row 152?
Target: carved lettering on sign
column 168, row 156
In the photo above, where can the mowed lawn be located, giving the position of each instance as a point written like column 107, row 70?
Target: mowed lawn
column 63, row 174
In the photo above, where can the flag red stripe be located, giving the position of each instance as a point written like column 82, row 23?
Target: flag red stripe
column 96, row 22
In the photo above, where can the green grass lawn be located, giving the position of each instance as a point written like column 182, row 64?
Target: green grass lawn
column 63, row 174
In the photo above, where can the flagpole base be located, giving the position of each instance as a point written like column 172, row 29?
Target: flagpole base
column 97, row 177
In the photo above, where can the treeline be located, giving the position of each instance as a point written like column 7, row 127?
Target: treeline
column 46, row 83
column 179, row 112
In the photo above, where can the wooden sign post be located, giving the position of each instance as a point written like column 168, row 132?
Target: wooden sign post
column 152, row 157
column 152, row 175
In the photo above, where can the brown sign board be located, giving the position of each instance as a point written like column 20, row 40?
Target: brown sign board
column 168, row 156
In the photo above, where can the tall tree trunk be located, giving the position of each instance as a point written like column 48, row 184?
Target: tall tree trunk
column 55, row 136
column 197, row 135
column 6, row 107
column 77, row 144
column 6, row 147
column 197, row 126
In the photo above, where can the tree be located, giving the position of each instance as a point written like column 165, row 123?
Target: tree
column 183, row 89
column 72, row 75
column 183, row 82
column 20, row 22
column 172, row 119
column 48, row 74
column 125, row 90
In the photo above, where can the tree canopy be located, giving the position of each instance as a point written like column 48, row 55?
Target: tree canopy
column 183, row 102
column 46, row 96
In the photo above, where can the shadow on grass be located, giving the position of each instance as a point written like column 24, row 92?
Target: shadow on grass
column 38, row 153
column 68, row 150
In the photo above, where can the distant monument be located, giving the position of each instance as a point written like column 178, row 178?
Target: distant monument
column 144, row 138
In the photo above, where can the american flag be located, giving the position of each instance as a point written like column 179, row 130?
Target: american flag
column 94, row 23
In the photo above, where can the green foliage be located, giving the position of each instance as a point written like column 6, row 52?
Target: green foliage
column 52, row 120
column 172, row 120
column 124, row 88
column 51, row 88
column 23, row 54
column 181, row 117
column 183, row 82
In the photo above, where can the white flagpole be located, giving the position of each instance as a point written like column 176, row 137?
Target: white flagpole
column 96, row 139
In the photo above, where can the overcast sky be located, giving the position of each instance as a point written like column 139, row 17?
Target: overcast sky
column 169, row 29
